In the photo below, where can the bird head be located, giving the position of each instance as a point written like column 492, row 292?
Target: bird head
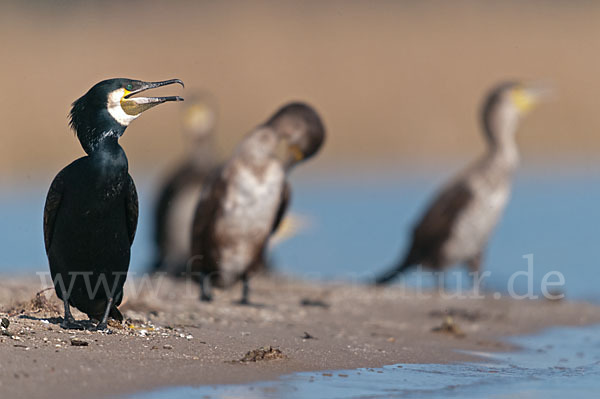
column 506, row 104
column 199, row 116
column 301, row 127
column 110, row 106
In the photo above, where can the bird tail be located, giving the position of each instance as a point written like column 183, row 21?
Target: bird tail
column 116, row 314
column 392, row 273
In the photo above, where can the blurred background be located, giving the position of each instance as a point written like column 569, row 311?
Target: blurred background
column 398, row 83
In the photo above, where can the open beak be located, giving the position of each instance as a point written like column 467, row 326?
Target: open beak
column 136, row 105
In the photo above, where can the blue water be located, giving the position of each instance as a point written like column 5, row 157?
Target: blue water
column 359, row 226
column 559, row 363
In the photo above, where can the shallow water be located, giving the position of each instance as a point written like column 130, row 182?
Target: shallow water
column 356, row 227
column 554, row 364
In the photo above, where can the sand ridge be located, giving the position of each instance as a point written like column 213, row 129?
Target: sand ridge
column 171, row 338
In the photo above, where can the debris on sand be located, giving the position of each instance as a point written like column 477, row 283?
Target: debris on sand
column 317, row 303
column 465, row 314
column 5, row 323
column 450, row 327
column 79, row 342
column 115, row 324
column 308, row 336
column 39, row 303
column 264, row 353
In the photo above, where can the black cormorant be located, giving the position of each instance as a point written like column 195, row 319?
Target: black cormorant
column 91, row 210
column 458, row 223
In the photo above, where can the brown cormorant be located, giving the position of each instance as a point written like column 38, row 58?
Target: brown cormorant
column 458, row 223
column 301, row 126
column 180, row 194
column 236, row 214
column 247, row 198
column 91, row 210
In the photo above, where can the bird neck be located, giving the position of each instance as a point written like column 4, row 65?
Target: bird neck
column 500, row 130
column 202, row 152
column 108, row 156
column 92, row 126
column 503, row 151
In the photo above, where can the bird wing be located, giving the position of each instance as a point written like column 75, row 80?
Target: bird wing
column 182, row 177
column 53, row 200
column 207, row 212
column 439, row 220
column 131, row 208
column 284, row 204
column 162, row 206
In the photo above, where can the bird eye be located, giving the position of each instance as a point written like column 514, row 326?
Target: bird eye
column 129, row 87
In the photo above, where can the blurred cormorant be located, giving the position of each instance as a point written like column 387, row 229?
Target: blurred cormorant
column 181, row 191
column 247, row 198
column 458, row 223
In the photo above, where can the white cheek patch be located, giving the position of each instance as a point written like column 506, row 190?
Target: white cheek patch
column 116, row 111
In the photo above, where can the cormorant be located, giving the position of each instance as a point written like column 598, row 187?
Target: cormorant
column 248, row 197
column 456, row 226
column 91, row 211
column 302, row 127
column 180, row 194
column 235, row 216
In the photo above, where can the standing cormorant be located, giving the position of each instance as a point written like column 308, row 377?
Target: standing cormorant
column 91, row 210
column 180, row 194
column 301, row 126
column 235, row 216
column 458, row 223
column 247, row 198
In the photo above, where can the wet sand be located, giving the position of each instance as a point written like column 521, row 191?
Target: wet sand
column 170, row 338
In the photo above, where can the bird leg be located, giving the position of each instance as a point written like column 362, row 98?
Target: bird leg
column 474, row 265
column 205, row 288
column 245, row 290
column 69, row 321
column 103, row 323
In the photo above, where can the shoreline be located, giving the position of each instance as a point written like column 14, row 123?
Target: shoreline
column 172, row 339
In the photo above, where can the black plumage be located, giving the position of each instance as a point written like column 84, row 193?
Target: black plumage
column 91, row 211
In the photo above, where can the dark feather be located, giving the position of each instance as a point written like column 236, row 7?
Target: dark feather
column 51, row 207
column 184, row 177
column 131, row 208
column 284, row 204
column 207, row 213
column 433, row 231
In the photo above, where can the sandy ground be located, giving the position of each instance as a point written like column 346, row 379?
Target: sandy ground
column 170, row 338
